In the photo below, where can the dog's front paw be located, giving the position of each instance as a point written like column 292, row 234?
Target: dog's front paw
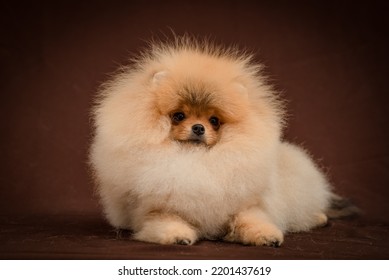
column 178, row 234
column 252, row 227
column 267, row 235
column 167, row 231
column 184, row 241
column 258, row 235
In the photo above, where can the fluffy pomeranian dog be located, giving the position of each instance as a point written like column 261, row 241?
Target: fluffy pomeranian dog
column 188, row 145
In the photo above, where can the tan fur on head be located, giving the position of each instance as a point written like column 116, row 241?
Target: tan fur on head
column 231, row 172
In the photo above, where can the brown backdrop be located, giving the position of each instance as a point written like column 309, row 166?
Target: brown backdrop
column 330, row 60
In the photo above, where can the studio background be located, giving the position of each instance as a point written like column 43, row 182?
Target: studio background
column 328, row 58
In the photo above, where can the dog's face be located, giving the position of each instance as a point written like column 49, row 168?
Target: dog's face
column 199, row 111
column 194, row 125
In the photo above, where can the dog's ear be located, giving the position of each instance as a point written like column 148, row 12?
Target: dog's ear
column 241, row 89
column 158, row 77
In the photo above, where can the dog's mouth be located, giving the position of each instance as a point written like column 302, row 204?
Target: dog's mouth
column 194, row 140
column 197, row 142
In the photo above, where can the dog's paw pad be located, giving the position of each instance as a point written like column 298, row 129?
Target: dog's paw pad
column 183, row 242
column 270, row 236
column 275, row 244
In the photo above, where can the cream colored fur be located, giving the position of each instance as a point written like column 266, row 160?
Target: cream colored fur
column 249, row 187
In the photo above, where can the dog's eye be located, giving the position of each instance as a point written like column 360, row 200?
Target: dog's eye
column 214, row 121
column 178, row 117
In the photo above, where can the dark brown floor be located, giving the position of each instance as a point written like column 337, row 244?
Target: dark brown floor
column 88, row 237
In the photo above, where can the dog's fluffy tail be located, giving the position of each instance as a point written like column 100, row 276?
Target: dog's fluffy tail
column 341, row 207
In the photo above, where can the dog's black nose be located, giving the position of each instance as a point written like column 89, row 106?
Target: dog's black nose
column 198, row 129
